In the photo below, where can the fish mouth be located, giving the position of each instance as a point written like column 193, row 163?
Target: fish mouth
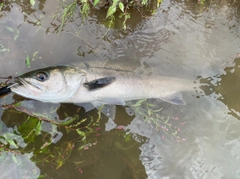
column 22, row 82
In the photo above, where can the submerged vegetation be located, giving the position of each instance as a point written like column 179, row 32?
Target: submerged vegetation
column 117, row 10
column 151, row 114
column 66, row 137
column 39, row 134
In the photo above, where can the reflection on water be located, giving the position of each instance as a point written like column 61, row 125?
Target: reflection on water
column 18, row 166
column 70, row 142
column 224, row 87
column 184, row 39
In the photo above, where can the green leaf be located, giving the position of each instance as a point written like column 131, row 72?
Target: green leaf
column 85, row 9
column 38, row 128
column 17, row 31
column 28, row 62
column 144, row 2
column 32, row 2
column 5, row 50
column 34, row 55
column 139, row 103
column 60, row 163
column 17, row 104
column 112, row 9
column 3, row 141
column 96, row 2
column 10, row 29
column 12, row 143
column 1, row 5
column 115, row 2
column 15, row 37
column 128, row 137
column 149, row 112
column 81, row 133
column 14, row 159
column 68, row 120
column 121, row 6
column 157, row 110
column 42, row 176
column 151, row 105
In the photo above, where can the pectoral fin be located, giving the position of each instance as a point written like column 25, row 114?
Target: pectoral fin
column 99, row 83
column 175, row 98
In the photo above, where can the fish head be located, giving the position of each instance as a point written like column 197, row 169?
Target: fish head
column 53, row 84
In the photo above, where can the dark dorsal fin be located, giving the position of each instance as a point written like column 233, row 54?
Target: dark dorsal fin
column 99, row 83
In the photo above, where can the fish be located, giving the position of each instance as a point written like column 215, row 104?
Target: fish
column 96, row 83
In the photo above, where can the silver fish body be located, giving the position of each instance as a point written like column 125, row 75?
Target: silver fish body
column 89, row 82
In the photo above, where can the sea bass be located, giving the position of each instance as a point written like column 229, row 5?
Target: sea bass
column 89, row 82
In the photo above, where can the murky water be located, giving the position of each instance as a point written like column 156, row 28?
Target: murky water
column 184, row 39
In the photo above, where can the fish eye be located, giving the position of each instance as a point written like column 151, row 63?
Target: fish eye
column 41, row 76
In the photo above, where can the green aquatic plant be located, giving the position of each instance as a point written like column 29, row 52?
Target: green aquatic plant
column 34, row 55
column 85, row 8
column 113, row 8
column 117, row 4
column 75, row 142
column 28, row 60
column 32, row 2
column 1, row 5
column 151, row 114
column 202, row 2
column 3, row 49
column 32, row 132
column 67, row 13
column 116, row 9
column 14, row 31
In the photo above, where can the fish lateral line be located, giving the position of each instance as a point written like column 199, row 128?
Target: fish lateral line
column 99, row 83
column 112, row 69
column 89, row 66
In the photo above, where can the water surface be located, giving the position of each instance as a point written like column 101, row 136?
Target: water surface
column 184, row 39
